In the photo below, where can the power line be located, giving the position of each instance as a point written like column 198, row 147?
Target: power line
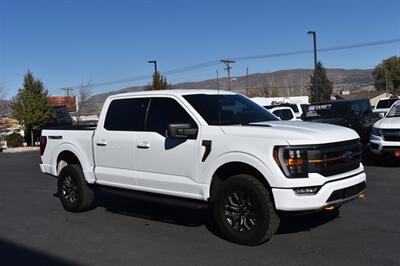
column 243, row 58
column 328, row 49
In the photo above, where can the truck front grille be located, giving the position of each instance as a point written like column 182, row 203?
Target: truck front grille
column 335, row 158
column 391, row 134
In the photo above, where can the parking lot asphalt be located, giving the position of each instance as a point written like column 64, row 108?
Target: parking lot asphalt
column 35, row 230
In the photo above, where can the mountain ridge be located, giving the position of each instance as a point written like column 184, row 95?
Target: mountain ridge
column 278, row 83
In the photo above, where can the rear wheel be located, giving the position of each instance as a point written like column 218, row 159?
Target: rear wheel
column 75, row 194
column 243, row 211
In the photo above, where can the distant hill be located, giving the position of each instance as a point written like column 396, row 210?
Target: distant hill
column 280, row 83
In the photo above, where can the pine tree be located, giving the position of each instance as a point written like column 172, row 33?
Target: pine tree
column 159, row 82
column 31, row 106
column 325, row 86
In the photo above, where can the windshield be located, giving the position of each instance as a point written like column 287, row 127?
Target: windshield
column 227, row 109
column 327, row 110
column 385, row 103
column 395, row 111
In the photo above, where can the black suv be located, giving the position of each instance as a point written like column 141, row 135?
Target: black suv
column 355, row 114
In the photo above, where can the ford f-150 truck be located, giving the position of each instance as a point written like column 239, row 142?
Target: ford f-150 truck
column 213, row 148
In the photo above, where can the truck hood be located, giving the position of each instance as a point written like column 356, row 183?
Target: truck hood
column 388, row 123
column 294, row 133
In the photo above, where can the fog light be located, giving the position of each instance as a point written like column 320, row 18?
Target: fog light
column 306, row 190
column 397, row 154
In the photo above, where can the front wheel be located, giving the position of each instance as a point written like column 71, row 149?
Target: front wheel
column 75, row 194
column 243, row 211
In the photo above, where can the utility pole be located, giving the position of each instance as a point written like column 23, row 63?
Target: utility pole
column 217, row 81
column 67, row 90
column 228, row 68
column 314, row 34
column 386, row 80
column 247, row 81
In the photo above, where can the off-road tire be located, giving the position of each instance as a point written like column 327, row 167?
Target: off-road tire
column 71, row 183
column 266, row 222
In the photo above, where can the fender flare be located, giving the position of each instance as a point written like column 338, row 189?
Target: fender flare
column 87, row 166
column 241, row 157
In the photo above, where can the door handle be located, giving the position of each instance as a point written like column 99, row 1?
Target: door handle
column 101, row 143
column 143, row 145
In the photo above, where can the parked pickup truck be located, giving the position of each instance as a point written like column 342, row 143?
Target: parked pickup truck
column 354, row 114
column 385, row 135
column 206, row 148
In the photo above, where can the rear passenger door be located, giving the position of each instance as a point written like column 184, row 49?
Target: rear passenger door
column 166, row 165
column 114, row 141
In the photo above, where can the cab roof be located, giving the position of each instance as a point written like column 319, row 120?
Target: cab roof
column 176, row 92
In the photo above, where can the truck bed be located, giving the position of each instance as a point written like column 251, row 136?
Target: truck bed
column 74, row 139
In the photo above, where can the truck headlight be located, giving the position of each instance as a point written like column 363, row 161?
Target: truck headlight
column 376, row 131
column 292, row 161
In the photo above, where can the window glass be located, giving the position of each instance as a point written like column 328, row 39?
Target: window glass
column 395, row 110
column 387, row 103
column 286, row 114
column 365, row 107
column 277, row 113
column 126, row 114
column 223, row 109
column 165, row 111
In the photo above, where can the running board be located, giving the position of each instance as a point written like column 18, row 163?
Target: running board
column 156, row 198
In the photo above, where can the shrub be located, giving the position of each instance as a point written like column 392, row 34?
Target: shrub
column 14, row 140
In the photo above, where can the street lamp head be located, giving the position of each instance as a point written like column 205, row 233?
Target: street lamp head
column 310, row 32
column 152, row 61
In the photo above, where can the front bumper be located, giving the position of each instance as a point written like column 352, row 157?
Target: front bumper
column 286, row 199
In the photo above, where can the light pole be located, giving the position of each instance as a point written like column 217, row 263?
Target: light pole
column 155, row 64
column 314, row 34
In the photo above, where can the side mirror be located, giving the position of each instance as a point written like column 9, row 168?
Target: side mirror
column 182, row 131
column 381, row 115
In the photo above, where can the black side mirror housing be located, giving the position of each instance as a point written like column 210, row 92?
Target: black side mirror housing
column 182, row 131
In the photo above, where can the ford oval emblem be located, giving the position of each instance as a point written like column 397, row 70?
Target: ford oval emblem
column 347, row 156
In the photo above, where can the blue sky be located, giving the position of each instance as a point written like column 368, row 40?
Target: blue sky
column 65, row 43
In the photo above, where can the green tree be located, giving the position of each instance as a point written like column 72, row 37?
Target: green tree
column 325, row 86
column 31, row 106
column 159, row 82
column 387, row 74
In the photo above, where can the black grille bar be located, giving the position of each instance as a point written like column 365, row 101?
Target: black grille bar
column 348, row 192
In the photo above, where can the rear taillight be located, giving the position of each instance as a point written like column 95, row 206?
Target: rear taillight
column 43, row 142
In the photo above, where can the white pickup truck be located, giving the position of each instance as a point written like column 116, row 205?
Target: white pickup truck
column 214, row 148
column 385, row 134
